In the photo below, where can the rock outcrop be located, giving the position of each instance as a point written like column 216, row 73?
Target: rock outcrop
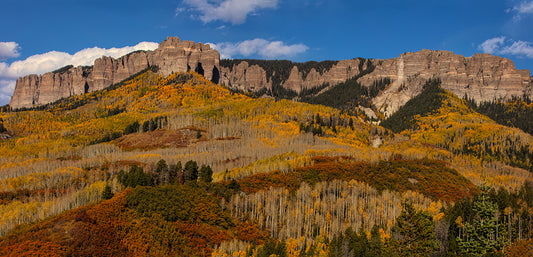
column 172, row 55
column 253, row 78
column 482, row 77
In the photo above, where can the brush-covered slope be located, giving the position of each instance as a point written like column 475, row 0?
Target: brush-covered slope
column 288, row 177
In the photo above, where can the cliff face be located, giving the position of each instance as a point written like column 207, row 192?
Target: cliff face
column 482, row 77
column 253, row 78
column 173, row 55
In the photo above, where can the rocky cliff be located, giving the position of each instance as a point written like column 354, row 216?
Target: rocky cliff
column 482, row 77
column 254, row 78
column 172, row 55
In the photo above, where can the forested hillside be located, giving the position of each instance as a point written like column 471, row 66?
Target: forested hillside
column 179, row 166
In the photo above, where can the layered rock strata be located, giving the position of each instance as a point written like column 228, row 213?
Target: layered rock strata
column 482, row 77
column 253, row 78
column 172, row 55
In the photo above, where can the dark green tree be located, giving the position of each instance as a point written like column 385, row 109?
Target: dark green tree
column 146, row 126
column 162, row 172
column 107, row 193
column 2, row 128
column 135, row 177
column 234, row 185
column 132, row 128
column 413, row 234
column 206, row 174
column 273, row 247
column 375, row 243
column 318, row 120
column 480, row 234
column 190, row 172
column 153, row 125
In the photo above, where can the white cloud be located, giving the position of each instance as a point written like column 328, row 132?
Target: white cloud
column 264, row 48
column 8, row 50
column 234, row 11
column 6, row 90
column 492, row 45
column 520, row 48
column 498, row 45
column 42, row 63
column 523, row 9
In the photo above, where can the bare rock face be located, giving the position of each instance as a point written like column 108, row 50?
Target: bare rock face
column 173, row 55
column 482, row 77
column 245, row 77
column 254, row 78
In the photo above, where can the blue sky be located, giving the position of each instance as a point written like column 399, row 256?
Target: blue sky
column 39, row 36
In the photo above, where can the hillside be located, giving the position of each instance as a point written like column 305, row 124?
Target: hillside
column 199, row 170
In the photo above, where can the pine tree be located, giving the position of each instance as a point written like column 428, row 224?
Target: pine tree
column 190, row 172
column 2, row 128
column 206, row 174
column 413, row 233
column 162, row 172
column 146, row 126
column 480, row 234
column 107, row 193
column 375, row 243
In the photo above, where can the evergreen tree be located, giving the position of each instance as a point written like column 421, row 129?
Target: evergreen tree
column 375, row 243
column 318, row 120
column 206, row 174
column 153, row 125
column 234, row 185
column 2, row 128
column 480, row 234
column 146, row 126
column 132, row 128
column 107, row 193
column 162, row 172
column 413, row 234
column 190, row 172
column 135, row 177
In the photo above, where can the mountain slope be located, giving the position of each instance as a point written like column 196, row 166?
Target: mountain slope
column 289, row 176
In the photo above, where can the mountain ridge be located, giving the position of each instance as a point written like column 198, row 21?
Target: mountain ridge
column 173, row 55
column 481, row 78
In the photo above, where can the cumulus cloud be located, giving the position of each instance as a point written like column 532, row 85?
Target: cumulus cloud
column 8, row 50
column 6, row 90
column 42, row 63
column 264, row 48
column 234, row 11
column 492, row 46
column 499, row 45
column 523, row 8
